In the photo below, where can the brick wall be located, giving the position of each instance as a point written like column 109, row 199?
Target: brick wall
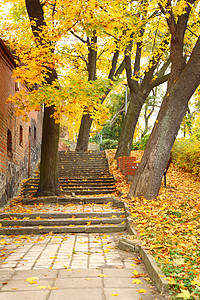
column 20, row 162
column 127, row 164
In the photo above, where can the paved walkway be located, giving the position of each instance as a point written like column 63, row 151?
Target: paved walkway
column 71, row 266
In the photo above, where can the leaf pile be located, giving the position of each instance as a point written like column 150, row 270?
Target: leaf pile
column 169, row 228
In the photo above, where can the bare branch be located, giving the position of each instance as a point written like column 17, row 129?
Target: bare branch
column 78, row 37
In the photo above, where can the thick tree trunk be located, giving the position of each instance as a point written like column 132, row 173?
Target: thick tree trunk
column 128, row 128
column 148, row 177
column 48, row 184
column 84, row 132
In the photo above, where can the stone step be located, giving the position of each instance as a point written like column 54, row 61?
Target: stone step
column 61, row 222
column 62, row 215
column 82, row 162
column 69, row 191
column 108, row 178
column 77, row 184
column 66, row 200
column 63, row 229
column 91, row 185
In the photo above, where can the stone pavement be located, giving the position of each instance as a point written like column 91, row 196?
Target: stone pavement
column 71, row 266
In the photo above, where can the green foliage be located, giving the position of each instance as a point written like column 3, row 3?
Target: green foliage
column 109, row 144
column 186, row 154
column 109, row 132
column 141, row 144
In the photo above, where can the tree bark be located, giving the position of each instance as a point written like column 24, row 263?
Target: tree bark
column 128, row 127
column 84, row 132
column 148, row 177
column 139, row 93
column 48, row 184
column 86, row 121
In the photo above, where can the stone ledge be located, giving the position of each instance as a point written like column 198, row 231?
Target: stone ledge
column 154, row 272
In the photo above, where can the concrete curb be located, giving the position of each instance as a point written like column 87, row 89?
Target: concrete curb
column 154, row 272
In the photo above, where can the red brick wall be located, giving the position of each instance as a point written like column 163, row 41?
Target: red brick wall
column 15, row 167
column 127, row 164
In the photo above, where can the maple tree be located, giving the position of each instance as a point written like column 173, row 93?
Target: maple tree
column 149, row 68
column 51, row 23
column 148, row 177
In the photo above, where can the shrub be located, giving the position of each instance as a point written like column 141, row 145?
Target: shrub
column 141, row 144
column 186, row 155
column 109, row 144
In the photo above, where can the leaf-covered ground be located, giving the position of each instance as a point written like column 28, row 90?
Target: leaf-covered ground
column 169, row 227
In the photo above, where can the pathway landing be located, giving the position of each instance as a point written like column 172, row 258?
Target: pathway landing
column 71, row 266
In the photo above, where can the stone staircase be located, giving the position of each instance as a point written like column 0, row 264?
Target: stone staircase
column 80, row 173
column 87, row 204
column 93, row 218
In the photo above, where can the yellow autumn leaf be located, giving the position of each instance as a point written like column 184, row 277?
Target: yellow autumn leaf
column 88, row 278
column 40, row 227
column 3, row 242
column 114, row 294
column 69, row 270
column 102, row 275
column 137, row 281
column 135, row 272
column 141, row 291
column 51, row 288
column 32, row 280
column 185, row 294
column 106, row 250
column 195, row 282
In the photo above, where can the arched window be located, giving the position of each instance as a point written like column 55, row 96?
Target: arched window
column 20, row 135
column 9, row 143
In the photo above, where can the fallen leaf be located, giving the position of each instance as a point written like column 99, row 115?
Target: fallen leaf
column 135, row 272
column 32, row 280
column 185, row 294
column 141, row 291
column 51, row 288
column 137, row 281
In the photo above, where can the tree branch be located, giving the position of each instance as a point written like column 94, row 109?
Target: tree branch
column 78, row 37
column 159, row 81
column 114, row 64
column 169, row 16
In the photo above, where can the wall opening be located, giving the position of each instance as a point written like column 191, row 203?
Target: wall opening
column 20, row 135
column 9, row 143
column 34, row 133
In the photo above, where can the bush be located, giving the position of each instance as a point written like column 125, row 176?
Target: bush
column 186, row 155
column 141, row 144
column 109, row 144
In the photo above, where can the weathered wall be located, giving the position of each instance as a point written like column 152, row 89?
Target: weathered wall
column 19, row 163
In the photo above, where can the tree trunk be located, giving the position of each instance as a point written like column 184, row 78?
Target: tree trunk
column 126, row 136
column 48, row 184
column 148, row 177
column 84, row 132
